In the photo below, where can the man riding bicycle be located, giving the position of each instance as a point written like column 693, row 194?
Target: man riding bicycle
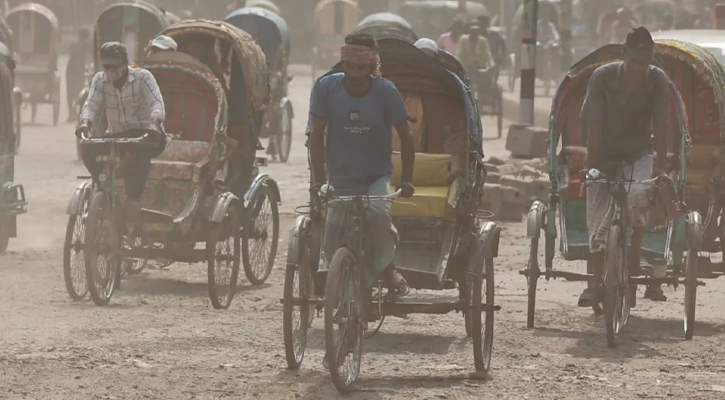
column 134, row 106
column 475, row 55
column 359, row 109
column 625, row 105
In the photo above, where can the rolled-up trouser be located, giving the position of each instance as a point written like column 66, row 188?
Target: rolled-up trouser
column 600, row 203
column 382, row 234
column 135, row 173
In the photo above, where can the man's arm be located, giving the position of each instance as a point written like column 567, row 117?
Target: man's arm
column 592, row 116
column 407, row 151
column 94, row 100
column 317, row 149
column 154, row 99
column 660, row 121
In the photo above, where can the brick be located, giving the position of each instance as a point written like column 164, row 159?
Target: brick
column 493, row 177
column 507, row 169
column 495, row 161
column 531, row 190
column 527, row 142
column 490, row 167
column 504, row 202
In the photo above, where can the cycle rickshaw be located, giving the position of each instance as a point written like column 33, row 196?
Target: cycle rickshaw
column 387, row 25
column 445, row 240
column 675, row 243
column 12, row 195
column 271, row 33
column 430, row 18
column 35, row 42
column 193, row 193
column 333, row 20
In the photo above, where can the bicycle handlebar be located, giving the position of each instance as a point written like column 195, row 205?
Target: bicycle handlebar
column 343, row 199
column 595, row 176
column 85, row 139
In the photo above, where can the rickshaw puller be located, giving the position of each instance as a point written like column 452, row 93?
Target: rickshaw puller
column 475, row 55
column 360, row 108
column 133, row 105
column 627, row 102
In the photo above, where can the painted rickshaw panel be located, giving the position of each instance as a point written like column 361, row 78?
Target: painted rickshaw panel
column 329, row 24
column 432, row 230
column 248, row 53
column 132, row 23
column 383, row 25
column 269, row 29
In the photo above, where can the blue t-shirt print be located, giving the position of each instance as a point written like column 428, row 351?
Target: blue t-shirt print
column 359, row 129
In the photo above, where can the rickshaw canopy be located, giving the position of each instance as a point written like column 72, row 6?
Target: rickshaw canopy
column 269, row 29
column 248, row 53
column 430, row 18
column 326, row 17
column 35, row 29
column 382, row 25
column 132, row 23
column 265, row 4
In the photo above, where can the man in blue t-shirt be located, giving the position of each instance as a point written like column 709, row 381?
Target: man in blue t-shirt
column 359, row 109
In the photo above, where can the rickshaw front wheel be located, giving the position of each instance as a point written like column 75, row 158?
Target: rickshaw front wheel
column 298, row 287
column 102, row 264
column 532, row 279
column 74, row 267
column 482, row 319
column 690, row 293
column 260, row 235
column 222, row 256
column 283, row 136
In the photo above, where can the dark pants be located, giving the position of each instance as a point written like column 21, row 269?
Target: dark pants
column 135, row 172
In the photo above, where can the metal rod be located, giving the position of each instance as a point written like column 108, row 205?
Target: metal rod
column 528, row 61
column 566, row 45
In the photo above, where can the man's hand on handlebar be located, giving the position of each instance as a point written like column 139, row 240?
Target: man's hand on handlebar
column 83, row 128
column 407, row 189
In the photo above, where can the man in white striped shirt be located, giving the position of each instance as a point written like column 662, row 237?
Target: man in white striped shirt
column 134, row 106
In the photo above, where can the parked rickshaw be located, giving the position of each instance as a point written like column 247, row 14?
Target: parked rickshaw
column 430, row 18
column 334, row 19
column 35, row 43
column 387, row 25
column 271, row 33
column 445, row 240
column 694, row 72
column 12, row 195
column 192, row 194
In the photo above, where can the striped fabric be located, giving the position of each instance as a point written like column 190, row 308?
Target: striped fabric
column 132, row 107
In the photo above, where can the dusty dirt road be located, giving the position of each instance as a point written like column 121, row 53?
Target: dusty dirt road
column 161, row 339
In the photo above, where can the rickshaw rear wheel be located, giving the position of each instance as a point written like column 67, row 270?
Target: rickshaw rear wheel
column 483, row 287
column 102, row 266
column 690, row 293
column 532, row 279
column 343, row 309
column 260, row 235
column 74, row 267
column 222, row 257
column 283, row 136
column 614, row 295
column 298, row 284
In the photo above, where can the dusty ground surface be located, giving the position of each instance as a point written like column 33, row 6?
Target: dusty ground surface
column 160, row 337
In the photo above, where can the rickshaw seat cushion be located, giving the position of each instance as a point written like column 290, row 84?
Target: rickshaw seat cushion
column 181, row 160
column 427, row 202
column 429, row 170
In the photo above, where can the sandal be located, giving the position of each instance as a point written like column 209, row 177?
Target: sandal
column 396, row 283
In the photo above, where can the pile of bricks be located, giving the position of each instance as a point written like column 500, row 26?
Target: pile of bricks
column 513, row 185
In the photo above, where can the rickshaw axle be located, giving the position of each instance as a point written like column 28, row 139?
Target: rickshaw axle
column 393, row 309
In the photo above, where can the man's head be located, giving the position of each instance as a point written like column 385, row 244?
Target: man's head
column 638, row 51
column 458, row 27
column 114, row 59
column 163, row 43
column 474, row 33
column 484, row 21
column 359, row 56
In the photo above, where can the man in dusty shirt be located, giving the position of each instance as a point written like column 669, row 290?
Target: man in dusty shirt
column 625, row 108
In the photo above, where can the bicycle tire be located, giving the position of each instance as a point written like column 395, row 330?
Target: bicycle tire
column 257, row 270
column 343, row 263
column 612, row 297
column 76, row 283
column 483, row 330
column 691, row 266
column 222, row 232
column 298, row 275
column 100, row 287
column 532, row 278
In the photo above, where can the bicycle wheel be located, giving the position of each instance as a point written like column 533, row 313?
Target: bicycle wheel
column 690, row 293
column 100, row 248
column 74, row 267
column 283, row 137
column 298, row 286
column 259, row 244
column 222, row 258
column 483, row 326
column 532, row 278
column 343, row 319
column 613, row 287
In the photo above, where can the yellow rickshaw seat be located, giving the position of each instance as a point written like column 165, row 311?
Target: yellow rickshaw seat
column 432, row 191
column 427, row 202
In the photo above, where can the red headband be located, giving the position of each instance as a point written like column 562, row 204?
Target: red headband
column 358, row 54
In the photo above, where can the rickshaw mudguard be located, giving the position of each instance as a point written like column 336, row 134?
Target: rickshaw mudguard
column 535, row 220
column 17, row 96
column 301, row 226
column 221, row 205
column 80, row 195
column 259, row 181
column 490, row 235
column 695, row 230
column 285, row 102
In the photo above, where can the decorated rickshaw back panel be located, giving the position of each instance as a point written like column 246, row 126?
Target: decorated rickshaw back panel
column 35, row 30
column 134, row 24
column 336, row 17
